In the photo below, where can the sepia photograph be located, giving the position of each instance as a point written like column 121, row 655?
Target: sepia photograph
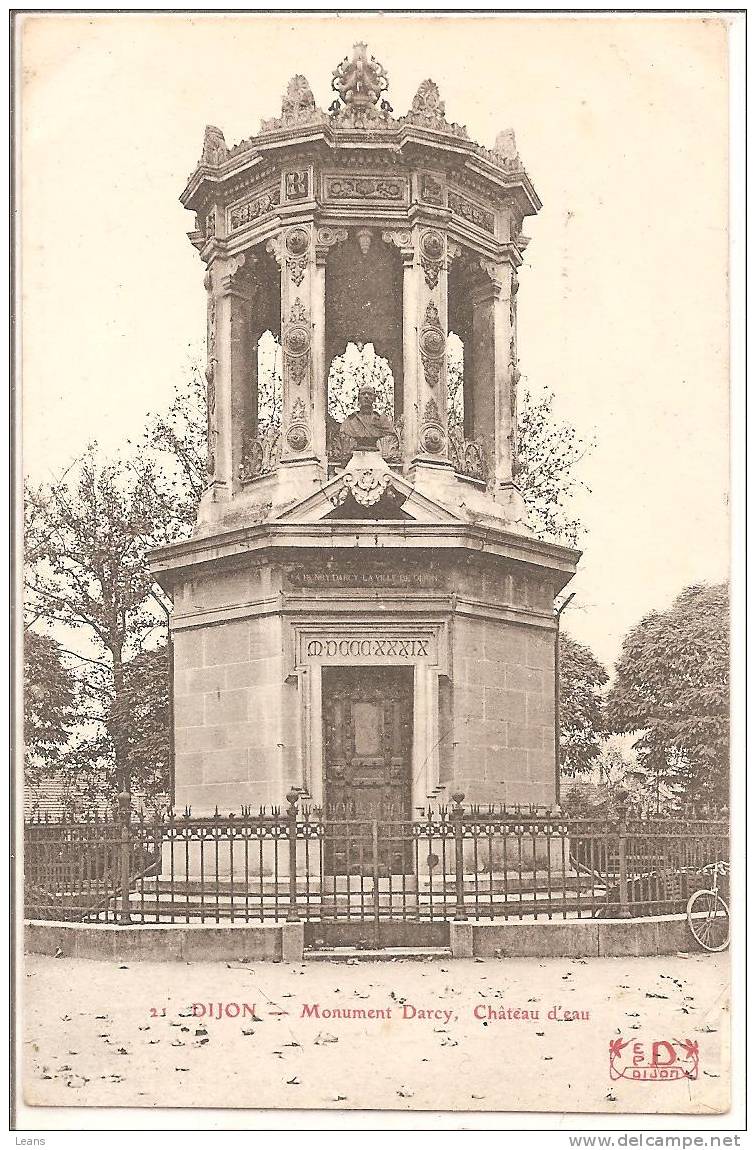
column 374, row 381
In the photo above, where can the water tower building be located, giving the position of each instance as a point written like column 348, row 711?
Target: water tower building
column 362, row 612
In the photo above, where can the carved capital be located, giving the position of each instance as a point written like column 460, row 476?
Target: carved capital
column 227, row 281
column 327, row 238
column 402, row 240
column 273, row 248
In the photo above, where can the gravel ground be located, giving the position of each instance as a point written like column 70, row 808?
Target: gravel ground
column 102, row 1034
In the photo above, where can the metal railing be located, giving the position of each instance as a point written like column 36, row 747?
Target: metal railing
column 331, row 867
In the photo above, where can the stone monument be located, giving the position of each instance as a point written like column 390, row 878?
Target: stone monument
column 373, row 624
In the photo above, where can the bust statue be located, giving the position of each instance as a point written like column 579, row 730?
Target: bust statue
column 361, row 430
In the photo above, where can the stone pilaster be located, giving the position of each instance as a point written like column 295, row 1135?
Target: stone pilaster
column 301, row 292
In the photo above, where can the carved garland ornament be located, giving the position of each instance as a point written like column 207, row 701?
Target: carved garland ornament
column 432, row 345
column 250, row 210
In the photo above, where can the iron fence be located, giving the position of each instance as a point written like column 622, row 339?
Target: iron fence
column 345, row 872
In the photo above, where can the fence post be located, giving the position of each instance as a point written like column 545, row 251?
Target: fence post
column 292, row 798
column 624, row 909
column 124, row 812
column 460, row 914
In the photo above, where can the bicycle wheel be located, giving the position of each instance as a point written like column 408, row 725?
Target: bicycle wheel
column 709, row 920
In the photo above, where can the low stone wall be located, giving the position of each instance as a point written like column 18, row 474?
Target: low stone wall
column 284, row 942
column 277, row 942
column 576, row 938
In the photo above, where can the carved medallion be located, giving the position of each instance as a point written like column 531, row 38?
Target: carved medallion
column 431, row 256
column 297, row 241
column 296, row 343
column 298, row 437
column 432, row 436
column 297, row 245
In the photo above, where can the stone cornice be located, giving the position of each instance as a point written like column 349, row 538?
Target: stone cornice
column 170, row 563
column 409, row 143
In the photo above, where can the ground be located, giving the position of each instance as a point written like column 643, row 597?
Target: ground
column 104, row 1034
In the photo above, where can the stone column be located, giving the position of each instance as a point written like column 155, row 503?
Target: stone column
column 228, row 339
column 325, row 239
column 425, row 330
column 495, row 375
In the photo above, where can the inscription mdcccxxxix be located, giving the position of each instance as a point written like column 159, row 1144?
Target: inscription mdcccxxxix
column 368, row 648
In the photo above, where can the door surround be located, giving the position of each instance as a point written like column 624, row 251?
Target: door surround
column 422, row 644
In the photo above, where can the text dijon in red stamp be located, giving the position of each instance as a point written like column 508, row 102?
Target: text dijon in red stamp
column 657, row 1061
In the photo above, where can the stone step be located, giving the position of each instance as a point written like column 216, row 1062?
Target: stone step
column 353, row 954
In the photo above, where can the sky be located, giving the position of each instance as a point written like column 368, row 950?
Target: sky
column 622, row 124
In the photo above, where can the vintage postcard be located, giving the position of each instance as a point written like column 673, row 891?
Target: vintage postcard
column 375, row 381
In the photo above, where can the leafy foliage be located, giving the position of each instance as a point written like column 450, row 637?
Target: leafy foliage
column 172, row 460
column 87, row 578
column 142, row 711
column 582, row 727
column 359, row 365
column 672, row 686
column 548, row 454
column 50, row 702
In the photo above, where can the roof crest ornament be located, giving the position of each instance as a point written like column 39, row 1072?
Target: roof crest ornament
column 360, row 84
column 297, row 107
column 429, row 111
column 214, row 149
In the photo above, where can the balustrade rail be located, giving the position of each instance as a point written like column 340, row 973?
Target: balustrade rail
column 330, row 867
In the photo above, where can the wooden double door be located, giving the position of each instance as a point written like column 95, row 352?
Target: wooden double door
column 368, row 733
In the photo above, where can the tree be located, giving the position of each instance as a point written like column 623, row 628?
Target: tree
column 142, row 711
column 88, row 579
column 582, row 727
column 50, row 698
column 549, row 451
column 672, row 688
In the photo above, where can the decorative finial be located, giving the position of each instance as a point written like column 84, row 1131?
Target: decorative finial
column 506, row 148
column 214, row 150
column 429, row 111
column 297, row 107
column 360, row 84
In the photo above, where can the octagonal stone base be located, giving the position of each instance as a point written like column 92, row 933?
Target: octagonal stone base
column 261, row 613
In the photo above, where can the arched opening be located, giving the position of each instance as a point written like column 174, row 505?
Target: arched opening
column 455, row 379
column 262, row 399
column 364, row 280
column 269, row 381
column 466, row 417
column 359, row 365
